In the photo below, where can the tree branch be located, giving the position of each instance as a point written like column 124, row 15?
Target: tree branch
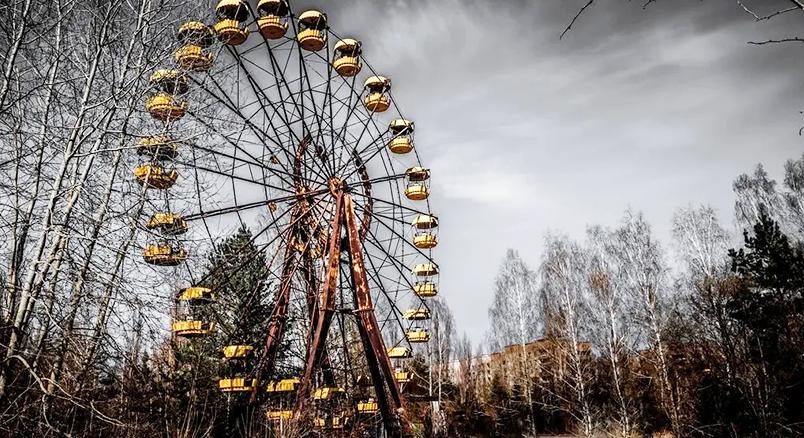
column 766, row 17
column 575, row 18
column 783, row 40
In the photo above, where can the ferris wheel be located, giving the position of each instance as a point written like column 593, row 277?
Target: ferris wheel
column 268, row 119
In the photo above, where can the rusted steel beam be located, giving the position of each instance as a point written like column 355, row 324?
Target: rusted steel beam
column 279, row 314
column 326, row 307
column 312, row 282
column 388, row 395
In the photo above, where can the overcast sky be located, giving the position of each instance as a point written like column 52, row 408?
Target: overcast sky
column 525, row 133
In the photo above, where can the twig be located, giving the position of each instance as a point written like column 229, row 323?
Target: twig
column 783, row 40
column 766, row 17
column 575, row 18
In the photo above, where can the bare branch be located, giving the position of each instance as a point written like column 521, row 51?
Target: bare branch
column 783, row 40
column 575, row 18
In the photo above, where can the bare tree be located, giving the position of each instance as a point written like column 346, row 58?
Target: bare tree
column 700, row 241
column 442, row 328
column 71, row 97
column 565, row 284
column 515, row 318
column 514, row 314
column 645, row 276
column 612, row 325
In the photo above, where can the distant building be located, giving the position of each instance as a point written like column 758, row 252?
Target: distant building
column 535, row 360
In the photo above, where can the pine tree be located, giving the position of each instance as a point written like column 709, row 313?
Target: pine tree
column 768, row 305
column 238, row 273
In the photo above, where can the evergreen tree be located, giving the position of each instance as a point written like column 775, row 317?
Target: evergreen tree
column 238, row 273
column 768, row 305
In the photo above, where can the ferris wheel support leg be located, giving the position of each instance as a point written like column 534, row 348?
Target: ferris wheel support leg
column 327, row 309
column 388, row 395
column 312, row 309
column 308, row 269
column 276, row 329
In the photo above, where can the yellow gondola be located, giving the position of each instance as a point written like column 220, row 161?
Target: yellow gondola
column 425, row 222
column 196, row 33
column 232, row 10
column 425, row 289
column 170, row 224
column 196, row 293
column 237, row 351
column 425, row 240
column 402, row 130
column 165, row 107
column 158, row 147
column 399, row 353
column 170, row 81
column 164, row 255
column 284, row 385
column 155, row 176
column 312, row 35
column 402, row 376
column 347, row 57
column 420, row 314
column 425, row 236
column 272, row 22
column 377, row 99
column 279, row 415
column 193, row 58
column 367, row 407
column 189, row 329
column 417, row 335
column 237, row 384
column 327, row 393
column 417, row 189
column 231, row 32
column 425, row 270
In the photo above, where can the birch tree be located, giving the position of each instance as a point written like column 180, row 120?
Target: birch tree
column 565, row 285
column 645, row 276
column 515, row 317
column 74, row 78
column 612, row 326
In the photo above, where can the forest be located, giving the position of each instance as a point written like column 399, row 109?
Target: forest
column 613, row 335
column 699, row 338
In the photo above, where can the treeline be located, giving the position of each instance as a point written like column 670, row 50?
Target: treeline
column 702, row 338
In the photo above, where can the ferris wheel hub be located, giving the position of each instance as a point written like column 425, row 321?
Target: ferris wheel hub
column 336, row 185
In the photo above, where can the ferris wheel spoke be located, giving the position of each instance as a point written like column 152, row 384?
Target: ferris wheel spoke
column 390, row 203
column 261, row 95
column 257, row 251
column 260, row 163
column 281, row 233
column 234, row 176
column 319, row 115
column 260, row 133
column 400, row 236
column 360, row 154
column 351, row 106
column 229, row 104
column 231, row 209
column 396, row 264
column 306, row 88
